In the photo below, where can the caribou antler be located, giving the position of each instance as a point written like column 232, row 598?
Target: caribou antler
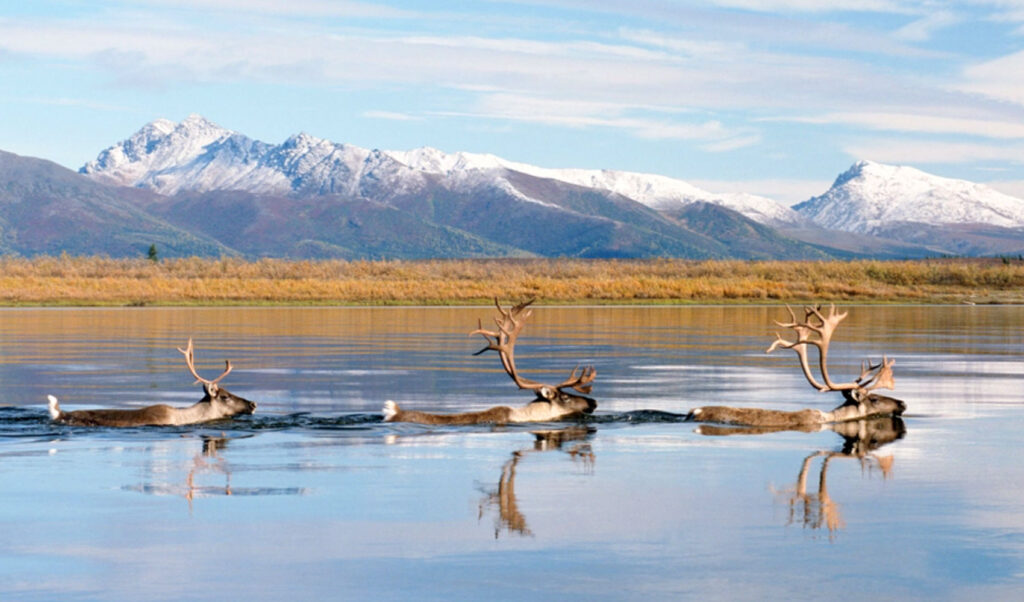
column 190, row 361
column 510, row 323
column 817, row 330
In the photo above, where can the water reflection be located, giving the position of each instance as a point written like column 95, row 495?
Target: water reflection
column 206, row 466
column 861, row 439
column 209, row 460
column 343, row 507
column 572, row 440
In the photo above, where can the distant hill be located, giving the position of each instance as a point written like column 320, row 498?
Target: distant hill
column 319, row 227
column 422, row 203
column 48, row 209
column 195, row 188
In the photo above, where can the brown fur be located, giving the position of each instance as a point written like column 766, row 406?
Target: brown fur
column 872, row 407
column 222, row 404
column 496, row 415
column 569, row 406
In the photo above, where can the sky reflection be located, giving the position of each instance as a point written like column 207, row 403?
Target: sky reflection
column 314, row 495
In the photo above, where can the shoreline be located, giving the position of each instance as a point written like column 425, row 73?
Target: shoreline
column 67, row 281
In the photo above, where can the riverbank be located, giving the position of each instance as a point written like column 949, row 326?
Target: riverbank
column 98, row 281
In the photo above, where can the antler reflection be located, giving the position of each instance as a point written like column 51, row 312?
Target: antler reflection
column 510, row 519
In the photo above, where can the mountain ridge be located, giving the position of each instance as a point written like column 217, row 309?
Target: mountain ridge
column 220, row 192
column 205, row 161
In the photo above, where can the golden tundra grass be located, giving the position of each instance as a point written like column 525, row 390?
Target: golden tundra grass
column 67, row 280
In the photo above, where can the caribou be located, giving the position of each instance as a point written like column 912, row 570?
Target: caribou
column 552, row 402
column 861, row 400
column 217, row 403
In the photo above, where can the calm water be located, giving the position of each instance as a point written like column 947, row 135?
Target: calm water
column 315, row 496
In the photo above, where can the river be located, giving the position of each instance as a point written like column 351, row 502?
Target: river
column 315, row 496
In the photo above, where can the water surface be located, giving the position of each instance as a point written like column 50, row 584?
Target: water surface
column 315, row 496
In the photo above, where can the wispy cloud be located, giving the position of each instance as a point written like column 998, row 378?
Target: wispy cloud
column 1001, row 78
column 71, row 102
column 924, row 28
column 653, row 125
column 816, row 6
column 706, row 77
column 916, row 152
column 390, row 116
column 292, row 8
column 917, row 122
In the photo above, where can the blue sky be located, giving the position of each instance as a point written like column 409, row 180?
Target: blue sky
column 773, row 97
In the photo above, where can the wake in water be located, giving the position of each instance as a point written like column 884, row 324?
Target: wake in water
column 36, row 422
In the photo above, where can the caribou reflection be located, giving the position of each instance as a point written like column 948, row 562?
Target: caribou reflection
column 209, row 460
column 572, row 440
column 861, row 440
column 206, row 465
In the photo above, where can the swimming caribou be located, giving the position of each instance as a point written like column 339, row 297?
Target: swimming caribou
column 217, row 403
column 861, row 401
column 552, row 403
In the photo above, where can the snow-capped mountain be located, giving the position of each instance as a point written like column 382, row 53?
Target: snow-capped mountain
column 656, row 191
column 871, row 197
column 197, row 155
column 312, row 197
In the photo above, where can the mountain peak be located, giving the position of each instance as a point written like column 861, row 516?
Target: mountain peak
column 196, row 123
column 862, row 168
column 871, row 196
column 304, row 141
column 159, row 126
column 159, row 145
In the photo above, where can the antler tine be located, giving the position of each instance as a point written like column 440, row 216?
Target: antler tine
column 582, row 381
column 792, row 317
column 190, row 361
column 882, row 377
column 189, row 354
column 800, row 348
column 866, row 368
column 227, row 369
column 492, row 343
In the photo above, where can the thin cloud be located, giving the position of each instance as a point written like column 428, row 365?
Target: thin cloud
column 924, row 28
column 1001, row 78
column 292, row 8
column 918, row 122
column 695, row 73
column 591, row 114
column 733, row 143
column 74, row 102
column 817, row 6
column 912, row 152
column 390, row 116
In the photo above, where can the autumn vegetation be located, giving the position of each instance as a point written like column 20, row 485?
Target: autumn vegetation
column 68, row 280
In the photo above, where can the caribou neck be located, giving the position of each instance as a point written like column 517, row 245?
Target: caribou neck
column 201, row 411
